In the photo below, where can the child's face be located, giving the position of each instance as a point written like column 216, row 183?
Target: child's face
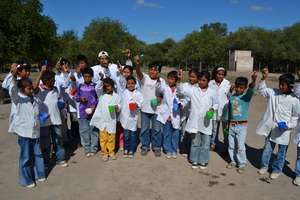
column 103, row 61
column 28, row 91
column 203, row 82
column 171, row 81
column 193, row 79
column 87, row 78
column 82, row 65
column 108, row 88
column 131, row 85
column 65, row 68
column 126, row 72
column 25, row 73
column 220, row 76
column 284, row 88
column 153, row 73
column 240, row 89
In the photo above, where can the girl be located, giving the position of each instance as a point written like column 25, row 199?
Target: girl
column 185, row 140
column 105, row 118
column 27, row 126
column 222, row 88
column 131, row 101
column 203, row 104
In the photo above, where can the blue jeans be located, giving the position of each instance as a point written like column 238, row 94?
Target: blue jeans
column 130, row 140
column 171, row 138
column 216, row 130
column 237, row 149
column 89, row 136
column 45, row 143
column 31, row 163
column 278, row 163
column 152, row 135
column 200, row 148
column 297, row 167
column 57, row 142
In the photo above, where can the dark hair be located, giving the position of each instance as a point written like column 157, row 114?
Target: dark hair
column 88, row 70
column 195, row 71
column 47, row 76
column 215, row 71
column 173, row 74
column 154, row 64
column 80, row 58
column 23, row 65
column 107, row 81
column 205, row 74
column 242, row 81
column 131, row 78
column 23, row 83
column 63, row 61
column 288, row 78
column 129, row 68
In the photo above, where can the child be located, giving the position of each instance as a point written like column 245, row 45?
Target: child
column 185, row 140
column 131, row 101
column 127, row 71
column 222, row 88
column 51, row 129
column 199, row 124
column 105, row 118
column 169, row 115
column 87, row 97
column 297, row 137
column 26, row 125
column 279, row 119
column 238, row 121
column 148, row 109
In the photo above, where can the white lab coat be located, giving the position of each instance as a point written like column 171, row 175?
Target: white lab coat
column 280, row 108
column 297, row 135
column 222, row 92
column 102, row 119
column 201, row 102
column 26, row 120
column 128, row 118
column 165, row 110
column 49, row 99
column 148, row 88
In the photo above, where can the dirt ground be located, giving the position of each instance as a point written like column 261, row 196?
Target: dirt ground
column 148, row 177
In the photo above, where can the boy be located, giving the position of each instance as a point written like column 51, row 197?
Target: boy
column 278, row 121
column 238, row 121
column 148, row 110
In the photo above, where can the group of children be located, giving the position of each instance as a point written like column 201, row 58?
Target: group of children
column 173, row 116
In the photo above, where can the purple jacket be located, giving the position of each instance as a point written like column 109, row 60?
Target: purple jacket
column 87, row 91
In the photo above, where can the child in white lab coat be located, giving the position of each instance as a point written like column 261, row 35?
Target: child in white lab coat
column 297, row 137
column 280, row 118
column 203, row 105
column 105, row 118
column 169, row 114
column 131, row 102
column 27, row 126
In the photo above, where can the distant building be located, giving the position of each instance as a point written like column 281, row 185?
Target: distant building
column 240, row 61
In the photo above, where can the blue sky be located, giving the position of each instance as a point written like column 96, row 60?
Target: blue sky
column 153, row 20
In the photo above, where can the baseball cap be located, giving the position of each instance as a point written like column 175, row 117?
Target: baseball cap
column 102, row 53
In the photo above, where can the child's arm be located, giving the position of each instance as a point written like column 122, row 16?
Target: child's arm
column 249, row 94
column 14, row 91
column 9, row 77
column 139, row 73
column 295, row 115
column 183, row 89
column 99, row 88
column 262, row 87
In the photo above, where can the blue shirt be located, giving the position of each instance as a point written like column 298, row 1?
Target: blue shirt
column 239, row 106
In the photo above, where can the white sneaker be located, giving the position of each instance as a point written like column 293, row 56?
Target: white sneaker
column 262, row 171
column 32, row 185
column 92, row 154
column 274, row 175
column 62, row 164
column 105, row 158
column 168, row 156
column 174, row 156
column 41, row 180
column 195, row 166
column 88, row 155
column 297, row 181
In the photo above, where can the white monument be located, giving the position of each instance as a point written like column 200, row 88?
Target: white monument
column 240, row 61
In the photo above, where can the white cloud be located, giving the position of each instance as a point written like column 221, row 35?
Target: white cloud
column 143, row 3
column 259, row 8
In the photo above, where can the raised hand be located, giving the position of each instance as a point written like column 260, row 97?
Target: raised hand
column 254, row 76
column 265, row 73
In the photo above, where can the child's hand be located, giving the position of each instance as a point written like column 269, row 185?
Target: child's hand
column 232, row 87
column 254, row 76
column 180, row 74
column 83, row 100
column 13, row 68
column 265, row 73
column 137, row 60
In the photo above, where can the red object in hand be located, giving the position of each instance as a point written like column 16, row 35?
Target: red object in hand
column 73, row 91
column 132, row 106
